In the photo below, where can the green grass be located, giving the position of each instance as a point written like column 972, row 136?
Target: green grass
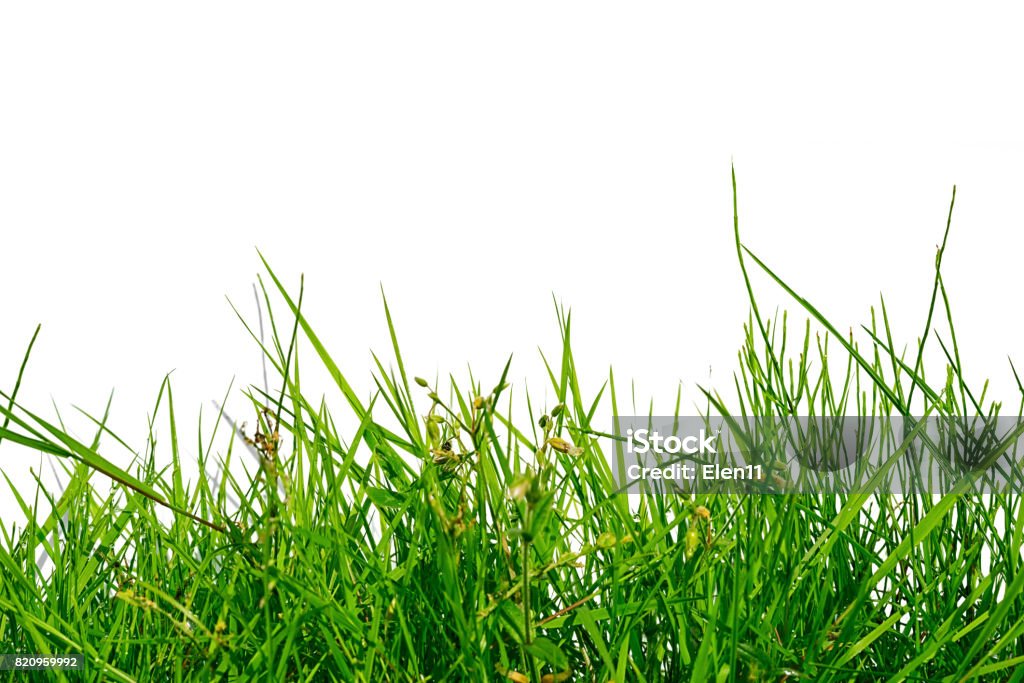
column 461, row 532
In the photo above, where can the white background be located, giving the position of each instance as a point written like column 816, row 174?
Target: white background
column 474, row 159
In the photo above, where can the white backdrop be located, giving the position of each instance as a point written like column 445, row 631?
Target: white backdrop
column 475, row 159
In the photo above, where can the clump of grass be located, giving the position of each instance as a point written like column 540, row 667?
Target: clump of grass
column 462, row 532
